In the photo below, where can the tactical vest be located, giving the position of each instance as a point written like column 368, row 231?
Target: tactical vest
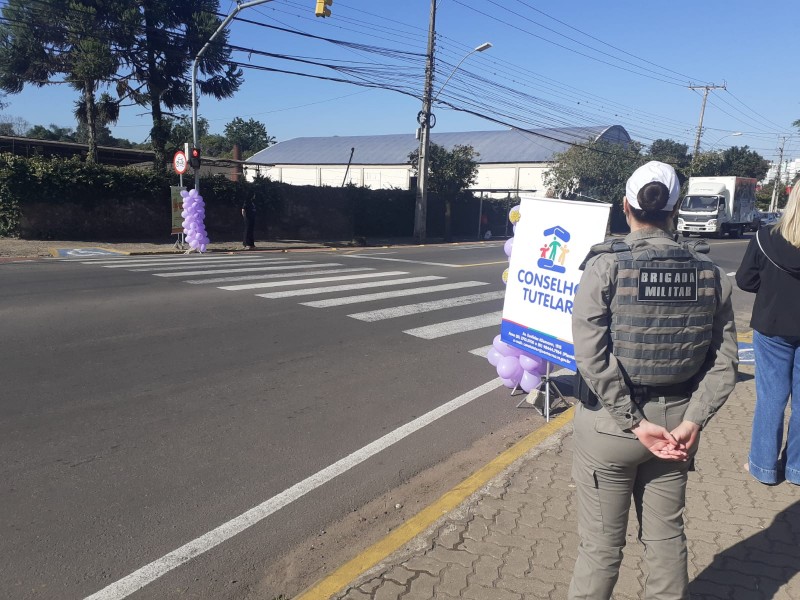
column 662, row 311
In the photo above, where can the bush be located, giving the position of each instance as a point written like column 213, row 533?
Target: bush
column 49, row 198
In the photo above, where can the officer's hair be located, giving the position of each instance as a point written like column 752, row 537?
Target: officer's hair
column 652, row 199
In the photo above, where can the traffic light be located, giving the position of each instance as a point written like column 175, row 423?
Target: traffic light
column 322, row 8
column 194, row 158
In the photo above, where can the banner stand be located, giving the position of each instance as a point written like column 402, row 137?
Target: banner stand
column 543, row 395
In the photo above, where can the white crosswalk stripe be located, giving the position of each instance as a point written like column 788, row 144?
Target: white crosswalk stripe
column 255, row 286
column 344, row 288
column 308, row 278
column 276, row 275
column 430, row 289
column 421, row 307
column 222, row 270
column 136, row 261
column 437, row 330
column 239, row 263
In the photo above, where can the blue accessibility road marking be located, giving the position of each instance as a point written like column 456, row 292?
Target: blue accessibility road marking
column 86, row 252
column 746, row 355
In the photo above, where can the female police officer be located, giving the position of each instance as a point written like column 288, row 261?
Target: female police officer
column 655, row 345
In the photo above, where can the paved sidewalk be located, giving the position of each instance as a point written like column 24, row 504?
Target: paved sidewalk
column 18, row 248
column 516, row 538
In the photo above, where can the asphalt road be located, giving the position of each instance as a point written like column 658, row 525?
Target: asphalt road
column 141, row 412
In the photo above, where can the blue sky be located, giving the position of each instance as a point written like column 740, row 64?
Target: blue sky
column 551, row 64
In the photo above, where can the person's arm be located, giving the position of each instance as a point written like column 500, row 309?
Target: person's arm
column 748, row 275
column 717, row 377
column 591, row 332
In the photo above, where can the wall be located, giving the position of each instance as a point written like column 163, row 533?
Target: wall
column 525, row 176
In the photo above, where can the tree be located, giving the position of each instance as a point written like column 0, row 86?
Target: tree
column 706, row 164
column 598, row 170
column 54, row 133
column 251, row 136
column 168, row 36
column 105, row 111
column 743, row 162
column 180, row 131
column 74, row 41
column 215, row 144
column 671, row 152
column 735, row 161
column 14, row 126
column 450, row 172
column 764, row 195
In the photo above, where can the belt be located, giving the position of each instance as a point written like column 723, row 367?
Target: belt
column 643, row 393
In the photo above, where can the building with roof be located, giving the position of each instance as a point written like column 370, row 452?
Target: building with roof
column 509, row 161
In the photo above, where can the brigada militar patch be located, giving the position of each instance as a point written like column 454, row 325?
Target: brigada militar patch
column 672, row 285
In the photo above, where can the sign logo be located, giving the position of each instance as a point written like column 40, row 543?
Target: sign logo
column 554, row 251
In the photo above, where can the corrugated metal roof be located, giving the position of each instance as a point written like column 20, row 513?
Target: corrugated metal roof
column 508, row 146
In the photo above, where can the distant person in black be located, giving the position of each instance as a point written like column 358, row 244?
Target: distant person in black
column 249, row 216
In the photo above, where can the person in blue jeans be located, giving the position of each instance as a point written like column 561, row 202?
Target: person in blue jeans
column 771, row 269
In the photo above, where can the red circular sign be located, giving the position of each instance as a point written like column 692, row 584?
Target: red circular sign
column 179, row 162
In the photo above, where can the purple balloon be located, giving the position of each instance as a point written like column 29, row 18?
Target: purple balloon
column 530, row 363
column 509, row 383
column 505, row 349
column 493, row 356
column 508, row 246
column 529, row 381
column 526, row 361
column 508, row 367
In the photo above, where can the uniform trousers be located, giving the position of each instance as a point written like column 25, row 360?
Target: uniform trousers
column 611, row 466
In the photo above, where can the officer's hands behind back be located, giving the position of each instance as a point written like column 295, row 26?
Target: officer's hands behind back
column 660, row 442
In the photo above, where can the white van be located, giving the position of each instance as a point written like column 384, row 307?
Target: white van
column 715, row 206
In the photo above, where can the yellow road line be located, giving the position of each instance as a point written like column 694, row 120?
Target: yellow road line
column 341, row 577
column 746, row 337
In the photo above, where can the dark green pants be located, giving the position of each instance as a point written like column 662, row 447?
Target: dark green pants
column 610, row 466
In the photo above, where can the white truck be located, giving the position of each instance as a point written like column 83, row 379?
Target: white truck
column 714, row 206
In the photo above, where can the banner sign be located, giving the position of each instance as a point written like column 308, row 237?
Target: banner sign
column 551, row 240
column 177, row 208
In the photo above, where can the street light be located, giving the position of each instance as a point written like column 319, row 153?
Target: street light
column 734, row 134
column 481, row 48
column 424, row 120
column 239, row 7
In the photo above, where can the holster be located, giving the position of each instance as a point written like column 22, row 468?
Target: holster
column 586, row 396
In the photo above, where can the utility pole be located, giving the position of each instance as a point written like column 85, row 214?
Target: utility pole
column 773, row 205
column 707, row 89
column 424, row 119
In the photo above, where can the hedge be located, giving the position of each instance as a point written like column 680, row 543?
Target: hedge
column 50, row 198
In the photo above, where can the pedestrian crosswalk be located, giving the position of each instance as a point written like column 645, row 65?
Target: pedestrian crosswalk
column 326, row 284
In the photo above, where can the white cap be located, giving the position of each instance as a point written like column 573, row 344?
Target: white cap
column 653, row 171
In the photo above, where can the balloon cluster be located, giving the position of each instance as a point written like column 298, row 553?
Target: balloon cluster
column 515, row 367
column 194, row 212
column 513, row 216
